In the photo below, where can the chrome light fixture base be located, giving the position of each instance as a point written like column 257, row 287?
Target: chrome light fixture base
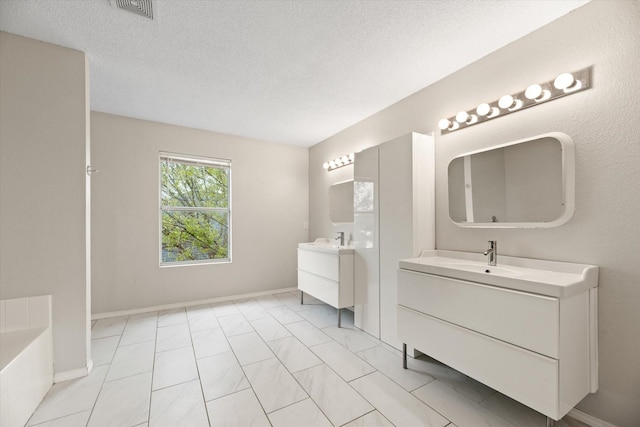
column 536, row 94
column 339, row 162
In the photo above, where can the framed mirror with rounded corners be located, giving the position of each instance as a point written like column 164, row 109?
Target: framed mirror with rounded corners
column 529, row 183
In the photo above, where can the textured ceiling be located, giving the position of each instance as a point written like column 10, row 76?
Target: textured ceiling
column 294, row 72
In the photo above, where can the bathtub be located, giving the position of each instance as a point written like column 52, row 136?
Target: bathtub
column 26, row 357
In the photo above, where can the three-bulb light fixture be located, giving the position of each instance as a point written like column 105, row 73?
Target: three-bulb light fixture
column 563, row 85
column 339, row 162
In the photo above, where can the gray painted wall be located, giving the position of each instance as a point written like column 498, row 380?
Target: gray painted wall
column 604, row 124
column 43, row 152
column 269, row 207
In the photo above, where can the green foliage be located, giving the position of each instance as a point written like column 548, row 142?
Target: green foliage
column 194, row 186
column 201, row 233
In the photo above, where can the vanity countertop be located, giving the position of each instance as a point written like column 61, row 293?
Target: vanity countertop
column 327, row 246
column 551, row 278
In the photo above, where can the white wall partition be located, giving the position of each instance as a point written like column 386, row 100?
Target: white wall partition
column 394, row 219
column 43, row 188
column 366, row 241
column 407, row 216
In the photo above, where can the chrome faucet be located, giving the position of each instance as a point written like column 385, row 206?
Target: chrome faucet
column 341, row 237
column 492, row 252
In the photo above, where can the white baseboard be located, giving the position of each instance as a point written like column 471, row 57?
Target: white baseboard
column 588, row 419
column 187, row 304
column 59, row 377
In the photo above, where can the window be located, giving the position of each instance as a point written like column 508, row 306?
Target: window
column 195, row 212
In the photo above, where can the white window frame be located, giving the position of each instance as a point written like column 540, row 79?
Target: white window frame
column 194, row 161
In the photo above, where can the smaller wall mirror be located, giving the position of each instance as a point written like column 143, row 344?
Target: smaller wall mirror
column 341, row 202
column 522, row 184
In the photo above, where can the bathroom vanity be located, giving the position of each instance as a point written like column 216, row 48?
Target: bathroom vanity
column 527, row 328
column 325, row 271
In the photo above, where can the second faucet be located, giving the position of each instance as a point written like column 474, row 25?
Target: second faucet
column 492, row 252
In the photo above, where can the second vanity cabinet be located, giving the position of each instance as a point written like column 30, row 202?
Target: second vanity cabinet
column 326, row 273
column 539, row 349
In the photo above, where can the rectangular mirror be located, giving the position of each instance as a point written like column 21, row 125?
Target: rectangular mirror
column 527, row 183
column 341, row 202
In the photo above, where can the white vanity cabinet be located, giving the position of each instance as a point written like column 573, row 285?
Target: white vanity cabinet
column 538, row 349
column 326, row 273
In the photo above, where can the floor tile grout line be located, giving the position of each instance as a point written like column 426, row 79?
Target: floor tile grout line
column 284, row 366
column 465, row 396
column 153, row 369
column 104, row 380
column 309, row 395
column 56, row 418
column 412, row 392
column 195, row 360
column 367, row 400
column 403, row 389
column 382, row 373
column 347, row 381
column 364, row 415
column 432, row 408
column 337, row 374
column 242, row 367
column 250, row 385
column 434, row 378
column 451, row 422
column 396, row 382
column 389, row 378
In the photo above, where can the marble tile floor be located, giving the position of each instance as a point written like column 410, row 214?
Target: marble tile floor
column 265, row 361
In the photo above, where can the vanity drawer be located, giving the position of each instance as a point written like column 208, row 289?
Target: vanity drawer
column 319, row 287
column 527, row 320
column 527, row 377
column 318, row 263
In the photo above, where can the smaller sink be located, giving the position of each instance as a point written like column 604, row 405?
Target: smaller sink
column 326, row 245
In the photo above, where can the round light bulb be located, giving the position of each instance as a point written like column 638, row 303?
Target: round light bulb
column 483, row 109
column 444, row 124
column 533, row 92
column 564, row 81
column 332, row 164
column 325, row 165
column 352, row 156
column 462, row 117
column 506, row 101
column 344, row 159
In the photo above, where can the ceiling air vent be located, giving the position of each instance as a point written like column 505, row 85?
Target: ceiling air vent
column 139, row 7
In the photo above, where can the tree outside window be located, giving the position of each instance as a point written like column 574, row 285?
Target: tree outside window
column 194, row 209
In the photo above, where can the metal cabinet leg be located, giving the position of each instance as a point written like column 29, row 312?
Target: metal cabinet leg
column 301, row 298
column 551, row 422
column 339, row 318
column 404, row 355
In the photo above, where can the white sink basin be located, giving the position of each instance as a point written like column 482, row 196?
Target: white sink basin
column 326, row 245
column 556, row 279
column 473, row 267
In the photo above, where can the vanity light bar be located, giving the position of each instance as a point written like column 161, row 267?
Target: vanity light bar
column 563, row 85
column 339, row 162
